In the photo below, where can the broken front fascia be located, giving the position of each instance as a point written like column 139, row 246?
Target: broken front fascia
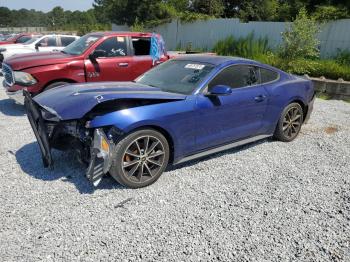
column 101, row 157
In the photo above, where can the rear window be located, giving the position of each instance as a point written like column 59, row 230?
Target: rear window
column 141, row 45
column 66, row 40
column 268, row 75
column 48, row 41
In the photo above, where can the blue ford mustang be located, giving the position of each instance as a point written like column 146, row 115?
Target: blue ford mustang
column 183, row 109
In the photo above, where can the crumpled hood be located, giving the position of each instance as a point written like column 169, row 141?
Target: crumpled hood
column 75, row 100
column 24, row 61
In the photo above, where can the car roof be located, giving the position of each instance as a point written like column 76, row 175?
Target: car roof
column 214, row 59
column 124, row 33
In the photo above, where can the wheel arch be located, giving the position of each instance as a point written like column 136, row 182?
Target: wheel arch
column 302, row 104
column 165, row 133
column 68, row 80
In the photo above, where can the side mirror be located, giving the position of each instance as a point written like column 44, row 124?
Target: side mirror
column 37, row 45
column 96, row 54
column 220, row 90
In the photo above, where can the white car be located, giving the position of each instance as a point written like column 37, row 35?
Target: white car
column 40, row 44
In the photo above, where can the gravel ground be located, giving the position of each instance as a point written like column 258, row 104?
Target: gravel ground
column 269, row 201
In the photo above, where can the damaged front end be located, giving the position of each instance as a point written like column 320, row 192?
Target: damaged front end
column 94, row 147
column 101, row 156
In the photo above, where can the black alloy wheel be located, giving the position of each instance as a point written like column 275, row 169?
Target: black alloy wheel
column 290, row 123
column 141, row 157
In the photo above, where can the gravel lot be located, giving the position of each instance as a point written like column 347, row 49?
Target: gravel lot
column 269, row 201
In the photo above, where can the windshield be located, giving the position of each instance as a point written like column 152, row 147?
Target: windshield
column 81, row 45
column 176, row 76
column 11, row 38
column 35, row 38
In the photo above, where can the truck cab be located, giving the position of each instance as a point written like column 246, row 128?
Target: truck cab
column 95, row 57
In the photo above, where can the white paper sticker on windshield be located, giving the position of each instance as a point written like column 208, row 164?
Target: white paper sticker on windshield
column 120, row 39
column 195, row 66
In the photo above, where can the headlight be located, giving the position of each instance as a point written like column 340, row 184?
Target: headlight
column 2, row 50
column 24, row 78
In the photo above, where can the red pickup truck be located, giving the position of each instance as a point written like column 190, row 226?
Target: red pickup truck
column 108, row 56
column 19, row 38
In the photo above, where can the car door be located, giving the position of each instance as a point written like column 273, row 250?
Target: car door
column 239, row 115
column 115, row 65
column 142, row 60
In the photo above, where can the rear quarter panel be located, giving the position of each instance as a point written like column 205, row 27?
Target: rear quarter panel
column 289, row 89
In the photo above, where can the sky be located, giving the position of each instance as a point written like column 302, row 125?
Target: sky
column 47, row 5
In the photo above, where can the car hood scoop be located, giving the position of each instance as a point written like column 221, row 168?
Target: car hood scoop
column 73, row 101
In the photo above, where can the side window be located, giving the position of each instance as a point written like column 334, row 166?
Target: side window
column 141, row 45
column 268, row 75
column 48, row 41
column 236, row 77
column 66, row 40
column 23, row 39
column 114, row 46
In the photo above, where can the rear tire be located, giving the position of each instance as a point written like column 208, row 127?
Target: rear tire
column 55, row 84
column 140, row 158
column 290, row 122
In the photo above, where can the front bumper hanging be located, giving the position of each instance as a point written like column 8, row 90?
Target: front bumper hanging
column 37, row 122
column 101, row 150
column 101, row 157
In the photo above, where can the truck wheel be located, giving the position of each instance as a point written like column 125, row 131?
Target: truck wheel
column 289, row 124
column 140, row 158
column 55, row 84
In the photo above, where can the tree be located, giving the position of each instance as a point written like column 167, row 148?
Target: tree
column 326, row 13
column 126, row 11
column 208, row 7
column 179, row 5
column 5, row 16
column 57, row 17
column 300, row 40
column 248, row 11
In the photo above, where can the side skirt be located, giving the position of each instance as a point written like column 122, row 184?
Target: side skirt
column 222, row 148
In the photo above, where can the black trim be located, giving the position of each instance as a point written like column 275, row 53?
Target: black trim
column 310, row 108
column 37, row 122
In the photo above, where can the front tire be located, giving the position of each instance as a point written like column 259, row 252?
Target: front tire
column 140, row 158
column 290, row 122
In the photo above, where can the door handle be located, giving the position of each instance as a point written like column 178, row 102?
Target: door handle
column 123, row 64
column 260, row 98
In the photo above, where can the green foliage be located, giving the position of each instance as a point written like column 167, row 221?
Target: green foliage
column 154, row 12
column 179, row 5
column 188, row 17
column 267, row 11
column 300, row 39
column 326, row 13
column 56, row 20
column 208, row 7
column 126, row 11
column 330, row 69
column 248, row 46
column 137, row 26
column 343, row 57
